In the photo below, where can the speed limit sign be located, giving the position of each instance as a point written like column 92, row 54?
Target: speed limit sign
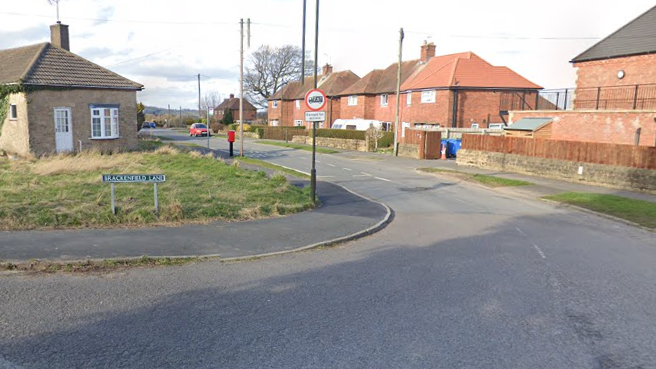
column 315, row 99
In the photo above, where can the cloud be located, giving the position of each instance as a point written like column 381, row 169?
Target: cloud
column 28, row 36
column 163, row 96
column 103, row 15
column 178, row 72
column 94, row 53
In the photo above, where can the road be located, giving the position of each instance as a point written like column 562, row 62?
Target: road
column 464, row 277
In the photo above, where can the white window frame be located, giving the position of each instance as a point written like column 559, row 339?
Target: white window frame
column 384, row 100
column 13, row 112
column 275, row 122
column 298, row 104
column 408, row 99
column 427, row 96
column 353, row 100
column 298, row 122
column 274, row 104
column 495, row 126
column 104, row 119
column 474, row 126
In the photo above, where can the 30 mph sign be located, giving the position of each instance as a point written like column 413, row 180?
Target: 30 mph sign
column 315, row 100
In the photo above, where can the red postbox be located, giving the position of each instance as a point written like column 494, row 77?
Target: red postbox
column 231, row 136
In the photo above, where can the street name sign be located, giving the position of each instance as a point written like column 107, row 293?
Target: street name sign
column 133, row 178
column 315, row 116
column 315, row 99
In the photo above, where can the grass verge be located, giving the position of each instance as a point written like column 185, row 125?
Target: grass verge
column 89, row 266
column 636, row 211
column 490, row 181
column 65, row 191
column 278, row 168
column 320, row 150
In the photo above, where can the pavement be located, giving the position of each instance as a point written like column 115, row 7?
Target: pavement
column 342, row 215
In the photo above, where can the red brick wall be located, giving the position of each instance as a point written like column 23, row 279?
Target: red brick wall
column 350, row 112
column 385, row 113
column 639, row 69
column 607, row 126
column 274, row 113
column 437, row 112
column 370, row 106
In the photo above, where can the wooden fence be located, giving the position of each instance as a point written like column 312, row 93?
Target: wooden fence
column 587, row 152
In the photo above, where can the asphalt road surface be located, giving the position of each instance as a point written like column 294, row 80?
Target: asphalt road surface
column 464, row 277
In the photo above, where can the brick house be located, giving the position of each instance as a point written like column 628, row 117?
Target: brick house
column 374, row 96
column 460, row 90
column 615, row 94
column 232, row 105
column 57, row 101
column 287, row 106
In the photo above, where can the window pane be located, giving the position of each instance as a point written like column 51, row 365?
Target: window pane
column 95, row 112
column 95, row 127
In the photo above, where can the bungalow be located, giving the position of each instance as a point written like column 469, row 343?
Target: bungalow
column 55, row 101
column 287, row 106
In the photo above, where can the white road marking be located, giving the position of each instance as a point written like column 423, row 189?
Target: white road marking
column 365, row 174
column 360, row 175
column 384, row 179
column 330, row 165
column 536, row 247
column 539, row 250
column 325, row 176
column 347, row 169
column 317, row 161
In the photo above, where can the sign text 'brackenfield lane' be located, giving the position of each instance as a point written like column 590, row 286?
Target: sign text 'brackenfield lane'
column 131, row 178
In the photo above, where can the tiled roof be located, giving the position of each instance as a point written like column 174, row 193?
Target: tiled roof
column 382, row 81
column 48, row 65
column 233, row 104
column 635, row 38
column 332, row 85
column 464, row 70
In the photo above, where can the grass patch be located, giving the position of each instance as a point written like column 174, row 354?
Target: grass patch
column 490, row 181
column 65, row 191
column 89, row 266
column 149, row 145
column 320, row 150
column 636, row 211
column 277, row 168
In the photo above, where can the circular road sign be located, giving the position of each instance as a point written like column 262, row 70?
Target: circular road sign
column 315, row 99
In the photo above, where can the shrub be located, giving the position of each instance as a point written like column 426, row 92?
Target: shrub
column 341, row 133
column 235, row 127
column 259, row 131
column 217, row 127
column 387, row 140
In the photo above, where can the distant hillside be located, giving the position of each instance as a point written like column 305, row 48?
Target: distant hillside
column 163, row 111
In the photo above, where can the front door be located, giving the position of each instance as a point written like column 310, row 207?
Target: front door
column 63, row 130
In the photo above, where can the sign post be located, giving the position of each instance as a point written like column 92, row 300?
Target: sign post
column 134, row 178
column 315, row 100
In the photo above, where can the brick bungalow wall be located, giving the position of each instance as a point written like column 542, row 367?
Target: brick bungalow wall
column 42, row 126
column 605, row 126
column 385, row 113
column 353, row 111
column 639, row 69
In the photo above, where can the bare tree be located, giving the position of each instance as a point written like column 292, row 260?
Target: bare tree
column 271, row 69
column 211, row 100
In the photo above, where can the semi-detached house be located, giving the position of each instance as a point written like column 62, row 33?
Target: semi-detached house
column 287, row 106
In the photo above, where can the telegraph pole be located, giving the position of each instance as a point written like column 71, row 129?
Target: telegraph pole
column 199, row 113
column 398, row 94
column 168, row 116
column 241, row 86
column 181, row 116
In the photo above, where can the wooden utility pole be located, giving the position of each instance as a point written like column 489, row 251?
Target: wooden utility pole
column 199, row 110
column 398, row 95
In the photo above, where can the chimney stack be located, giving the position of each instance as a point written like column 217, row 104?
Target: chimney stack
column 327, row 69
column 232, row 96
column 427, row 51
column 59, row 36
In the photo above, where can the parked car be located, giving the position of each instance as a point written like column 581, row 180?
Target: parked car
column 198, row 129
column 145, row 125
column 153, row 125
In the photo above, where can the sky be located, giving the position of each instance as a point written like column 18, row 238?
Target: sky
column 165, row 44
